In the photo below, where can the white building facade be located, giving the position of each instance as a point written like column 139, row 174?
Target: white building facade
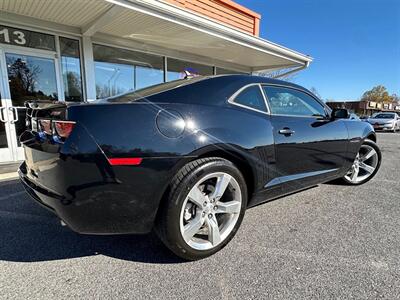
column 81, row 50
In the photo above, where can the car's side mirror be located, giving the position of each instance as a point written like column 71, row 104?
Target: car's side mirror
column 339, row 113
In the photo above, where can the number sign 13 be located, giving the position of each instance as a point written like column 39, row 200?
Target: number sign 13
column 26, row 38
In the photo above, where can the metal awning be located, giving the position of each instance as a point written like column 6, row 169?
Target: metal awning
column 157, row 27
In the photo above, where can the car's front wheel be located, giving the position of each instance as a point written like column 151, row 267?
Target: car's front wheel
column 365, row 165
column 204, row 208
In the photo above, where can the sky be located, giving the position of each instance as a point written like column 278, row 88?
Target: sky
column 355, row 43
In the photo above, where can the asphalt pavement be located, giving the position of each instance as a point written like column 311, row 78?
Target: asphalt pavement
column 331, row 241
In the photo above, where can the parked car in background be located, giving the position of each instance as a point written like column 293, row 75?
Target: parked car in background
column 188, row 157
column 388, row 121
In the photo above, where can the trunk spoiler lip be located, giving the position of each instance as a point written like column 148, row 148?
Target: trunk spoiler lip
column 44, row 104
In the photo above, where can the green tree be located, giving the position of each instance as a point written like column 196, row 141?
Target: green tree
column 377, row 94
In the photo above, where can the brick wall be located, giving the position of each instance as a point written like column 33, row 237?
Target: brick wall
column 224, row 11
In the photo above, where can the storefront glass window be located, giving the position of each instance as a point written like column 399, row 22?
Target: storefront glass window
column 31, row 77
column 71, row 69
column 227, row 71
column 118, row 70
column 177, row 67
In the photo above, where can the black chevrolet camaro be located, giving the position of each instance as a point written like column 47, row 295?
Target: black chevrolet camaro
column 188, row 157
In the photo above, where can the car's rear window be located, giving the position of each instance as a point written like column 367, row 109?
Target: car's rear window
column 151, row 90
column 384, row 116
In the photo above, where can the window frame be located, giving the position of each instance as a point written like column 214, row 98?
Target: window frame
column 232, row 98
column 327, row 110
column 81, row 68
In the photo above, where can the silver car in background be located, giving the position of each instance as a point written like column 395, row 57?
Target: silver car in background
column 389, row 121
column 354, row 117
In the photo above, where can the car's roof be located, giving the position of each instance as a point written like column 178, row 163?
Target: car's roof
column 257, row 79
column 248, row 79
column 201, row 90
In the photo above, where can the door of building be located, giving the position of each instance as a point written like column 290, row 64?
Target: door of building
column 25, row 75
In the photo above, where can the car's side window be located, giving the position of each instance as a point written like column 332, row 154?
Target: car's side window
column 287, row 101
column 251, row 97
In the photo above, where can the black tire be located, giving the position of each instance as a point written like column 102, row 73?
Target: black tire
column 378, row 151
column 167, row 224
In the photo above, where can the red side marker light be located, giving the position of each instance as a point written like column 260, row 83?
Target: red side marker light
column 134, row 161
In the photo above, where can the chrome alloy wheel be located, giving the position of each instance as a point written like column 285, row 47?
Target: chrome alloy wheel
column 364, row 164
column 210, row 211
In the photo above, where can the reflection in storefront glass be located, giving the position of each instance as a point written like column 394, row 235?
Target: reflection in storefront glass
column 227, row 71
column 113, row 79
column 30, row 78
column 146, row 76
column 119, row 70
column 71, row 69
column 177, row 67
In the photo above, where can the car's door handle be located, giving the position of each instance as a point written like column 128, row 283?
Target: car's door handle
column 286, row 131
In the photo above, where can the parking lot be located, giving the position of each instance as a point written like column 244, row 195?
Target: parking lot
column 330, row 241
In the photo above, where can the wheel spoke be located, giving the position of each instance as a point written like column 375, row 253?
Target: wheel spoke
column 367, row 168
column 221, row 185
column 231, row 207
column 355, row 173
column 197, row 197
column 192, row 227
column 214, row 235
column 368, row 155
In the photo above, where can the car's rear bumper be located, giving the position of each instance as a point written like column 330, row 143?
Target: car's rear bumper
column 100, row 210
column 383, row 127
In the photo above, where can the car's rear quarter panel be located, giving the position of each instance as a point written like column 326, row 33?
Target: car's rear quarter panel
column 89, row 194
column 129, row 130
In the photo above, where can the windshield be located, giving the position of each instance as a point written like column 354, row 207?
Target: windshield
column 151, row 90
column 384, row 116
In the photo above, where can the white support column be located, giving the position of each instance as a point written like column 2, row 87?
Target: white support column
column 88, row 71
column 165, row 62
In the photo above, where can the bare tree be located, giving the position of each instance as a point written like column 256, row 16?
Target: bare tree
column 395, row 98
column 25, row 74
column 315, row 92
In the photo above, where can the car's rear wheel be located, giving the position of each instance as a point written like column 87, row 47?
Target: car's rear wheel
column 365, row 165
column 204, row 209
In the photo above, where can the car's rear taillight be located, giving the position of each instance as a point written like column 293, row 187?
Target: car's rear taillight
column 63, row 128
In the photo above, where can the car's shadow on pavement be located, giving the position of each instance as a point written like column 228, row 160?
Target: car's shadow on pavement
column 29, row 233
